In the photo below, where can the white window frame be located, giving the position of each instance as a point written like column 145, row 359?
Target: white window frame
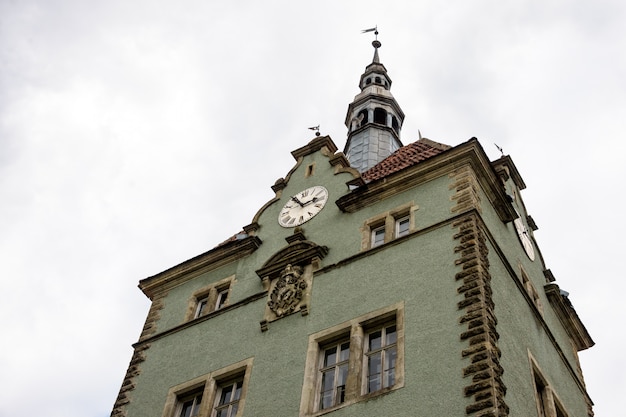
column 376, row 235
column 399, row 222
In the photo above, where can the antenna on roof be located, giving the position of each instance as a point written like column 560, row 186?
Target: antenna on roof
column 500, row 149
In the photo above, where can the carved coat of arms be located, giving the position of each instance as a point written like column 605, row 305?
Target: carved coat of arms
column 288, row 291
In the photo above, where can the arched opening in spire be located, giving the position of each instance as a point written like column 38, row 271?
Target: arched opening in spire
column 380, row 116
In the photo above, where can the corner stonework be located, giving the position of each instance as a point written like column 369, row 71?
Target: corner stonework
column 139, row 356
column 482, row 354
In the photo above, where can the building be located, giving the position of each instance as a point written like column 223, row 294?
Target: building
column 384, row 280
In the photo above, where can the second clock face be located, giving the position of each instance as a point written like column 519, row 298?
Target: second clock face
column 303, row 206
column 524, row 238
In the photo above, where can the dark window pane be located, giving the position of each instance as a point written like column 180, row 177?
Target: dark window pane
column 345, row 352
column 375, row 340
column 330, row 356
column 391, row 335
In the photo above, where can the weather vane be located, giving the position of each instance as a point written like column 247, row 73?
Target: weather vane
column 317, row 129
column 374, row 29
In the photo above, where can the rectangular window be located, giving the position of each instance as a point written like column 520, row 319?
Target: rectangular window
column 378, row 236
column 221, row 393
column 402, row 226
column 201, row 309
column 190, row 404
column 222, row 296
column 227, row 398
column 387, row 226
column 333, row 374
column 209, row 298
column 381, row 354
column 353, row 361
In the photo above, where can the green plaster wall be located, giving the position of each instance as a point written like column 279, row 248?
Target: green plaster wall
column 419, row 271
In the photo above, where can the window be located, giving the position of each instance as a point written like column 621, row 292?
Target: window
column 210, row 298
column 378, row 236
column 388, row 226
column 333, row 374
column 548, row 403
column 403, row 226
column 228, row 397
column 381, row 357
column 221, row 393
column 190, row 405
column 353, row 361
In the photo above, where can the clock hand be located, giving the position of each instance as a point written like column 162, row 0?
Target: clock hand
column 297, row 201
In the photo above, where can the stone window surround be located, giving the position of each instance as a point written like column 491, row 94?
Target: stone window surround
column 356, row 330
column 387, row 220
column 211, row 293
column 551, row 403
column 211, row 383
column 530, row 289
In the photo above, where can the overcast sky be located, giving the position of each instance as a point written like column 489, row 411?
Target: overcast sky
column 137, row 134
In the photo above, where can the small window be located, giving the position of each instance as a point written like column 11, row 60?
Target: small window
column 368, row 81
column 378, row 236
column 222, row 296
column 228, row 397
column 190, row 404
column 209, row 299
column 220, row 393
column 378, row 80
column 403, row 226
column 202, row 307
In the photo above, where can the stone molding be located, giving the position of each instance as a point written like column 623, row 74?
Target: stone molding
column 486, row 388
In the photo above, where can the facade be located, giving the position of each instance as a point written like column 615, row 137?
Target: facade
column 408, row 283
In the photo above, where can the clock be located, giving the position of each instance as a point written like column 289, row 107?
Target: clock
column 524, row 238
column 303, row 206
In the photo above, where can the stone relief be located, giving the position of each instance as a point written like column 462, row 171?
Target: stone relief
column 288, row 291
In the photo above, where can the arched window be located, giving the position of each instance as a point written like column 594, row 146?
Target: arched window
column 378, row 81
column 368, row 81
column 380, row 116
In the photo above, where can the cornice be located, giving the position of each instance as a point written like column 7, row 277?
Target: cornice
column 505, row 165
column 568, row 317
column 216, row 257
column 468, row 153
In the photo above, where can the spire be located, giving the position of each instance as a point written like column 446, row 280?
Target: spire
column 374, row 118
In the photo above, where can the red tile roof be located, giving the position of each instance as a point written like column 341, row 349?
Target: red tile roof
column 404, row 157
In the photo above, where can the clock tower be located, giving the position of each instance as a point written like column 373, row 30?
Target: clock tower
column 389, row 280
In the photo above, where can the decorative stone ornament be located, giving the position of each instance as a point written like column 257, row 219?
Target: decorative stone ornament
column 288, row 291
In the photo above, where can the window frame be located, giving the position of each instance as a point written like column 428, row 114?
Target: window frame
column 355, row 332
column 389, row 223
column 547, row 401
column 210, row 385
column 209, row 298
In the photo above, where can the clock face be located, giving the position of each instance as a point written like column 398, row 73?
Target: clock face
column 524, row 238
column 303, row 206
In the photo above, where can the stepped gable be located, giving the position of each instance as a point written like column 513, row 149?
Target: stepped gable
column 404, row 157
